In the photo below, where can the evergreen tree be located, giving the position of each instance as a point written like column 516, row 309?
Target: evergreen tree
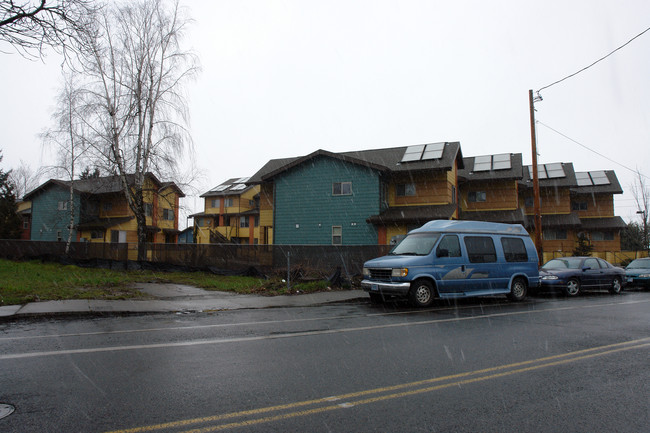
column 9, row 220
column 584, row 248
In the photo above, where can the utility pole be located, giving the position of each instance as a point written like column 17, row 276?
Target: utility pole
column 536, row 202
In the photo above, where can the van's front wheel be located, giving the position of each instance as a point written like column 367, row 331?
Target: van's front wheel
column 518, row 290
column 421, row 293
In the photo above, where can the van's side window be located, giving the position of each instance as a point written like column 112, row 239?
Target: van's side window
column 514, row 250
column 448, row 247
column 480, row 249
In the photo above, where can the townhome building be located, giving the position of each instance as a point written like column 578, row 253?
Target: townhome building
column 360, row 197
column 101, row 212
column 377, row 196
column 231, row 214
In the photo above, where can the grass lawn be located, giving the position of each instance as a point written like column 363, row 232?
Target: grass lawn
column 23, row 282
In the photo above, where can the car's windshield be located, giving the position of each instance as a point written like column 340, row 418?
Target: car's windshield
column 417, row 244
column 639, row 264
column 564, row 263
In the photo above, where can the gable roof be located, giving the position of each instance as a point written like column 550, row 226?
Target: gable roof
column 99, row 185
column 383, row 160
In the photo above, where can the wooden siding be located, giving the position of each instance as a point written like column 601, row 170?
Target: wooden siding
column 430, row 189
column 500, row 195
column 553, row 201
column 306, row 209
column 598, row 205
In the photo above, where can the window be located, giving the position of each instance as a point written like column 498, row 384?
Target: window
column 602, row 236
column 215, row 203
column 342, row 188
column 168, row 214
column 63, row 205
column 228, row 202
column 592, row 263
column 25, row 223
column 514, row 250
column 476, row 196
column 480, row 249
column 337, row 235
column 107, row 206
column 257, row 220
column 243, row 222
column 148, row 209
column 96, row 234
column 405, row 189
column 449, row 246
column 554, row 235
column 579, row 205
column 59, row 238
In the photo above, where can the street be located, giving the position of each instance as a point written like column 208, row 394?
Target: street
column 549, row 364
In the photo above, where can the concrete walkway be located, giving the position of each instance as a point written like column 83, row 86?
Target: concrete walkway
column 177, row 298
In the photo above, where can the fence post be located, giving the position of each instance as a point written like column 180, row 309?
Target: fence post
column 288, row 271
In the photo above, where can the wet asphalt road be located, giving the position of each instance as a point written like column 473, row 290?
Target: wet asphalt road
column 545, row 365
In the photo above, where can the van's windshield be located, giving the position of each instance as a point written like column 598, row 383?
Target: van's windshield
column 417, row 244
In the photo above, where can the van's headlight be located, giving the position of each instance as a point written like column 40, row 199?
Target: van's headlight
column 365, row 272
column 400, row 272
column 644, row 276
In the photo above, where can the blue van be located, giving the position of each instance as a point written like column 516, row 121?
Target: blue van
column 455, row 259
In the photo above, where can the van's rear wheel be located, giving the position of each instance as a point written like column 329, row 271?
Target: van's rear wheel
column 518, row 290
column 421, row 293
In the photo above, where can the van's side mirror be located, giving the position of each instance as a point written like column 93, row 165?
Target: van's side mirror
column 443, row 252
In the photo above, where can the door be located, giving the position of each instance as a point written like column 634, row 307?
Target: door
column 483, row 269
column 591, row 277
column 450, row 265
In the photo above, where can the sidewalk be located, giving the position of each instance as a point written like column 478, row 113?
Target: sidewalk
column 168, row 298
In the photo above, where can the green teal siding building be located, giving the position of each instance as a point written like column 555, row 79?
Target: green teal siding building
column 326, row 201
column 51, row 212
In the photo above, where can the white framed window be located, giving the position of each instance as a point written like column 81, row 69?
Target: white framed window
column 63, row 205
column 215, row 203
column 337, row 235
column 148, row 209
column 228, row 202
column 243, row 222
column 342, row 188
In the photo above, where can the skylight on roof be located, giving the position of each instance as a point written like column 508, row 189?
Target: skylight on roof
column 483, row 163
column 242, row 180
column 555, row 170
column 501, row 162
column 221, row 187
column 413, row 153
column 599, row 177
column 433, row 151
column 238, row 187
column 583, row 179
column 492, row 162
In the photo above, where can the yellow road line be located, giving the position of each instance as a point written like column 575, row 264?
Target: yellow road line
column 514, row 368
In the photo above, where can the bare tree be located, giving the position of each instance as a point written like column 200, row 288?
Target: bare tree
column 25, row 178
column 134, row 101
column 641, row 193
column 68, row 139
column 31, row 25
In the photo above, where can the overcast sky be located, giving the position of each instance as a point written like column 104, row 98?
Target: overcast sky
column 285, row 78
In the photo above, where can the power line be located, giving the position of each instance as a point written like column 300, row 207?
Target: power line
column 590, row 149
column 597, row 61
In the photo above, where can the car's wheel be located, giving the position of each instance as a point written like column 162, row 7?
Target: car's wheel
column 421, row 293
column 616, row 286
column 376, row 298
column 572, row 287
column 518, row 290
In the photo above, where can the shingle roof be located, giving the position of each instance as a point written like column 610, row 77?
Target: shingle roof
column 497, row 216
column 413, row 214
column 568, row 180
column 386, row 160
column 615, row 222
column 515, row 172
column 614, row 187
column 100, row 185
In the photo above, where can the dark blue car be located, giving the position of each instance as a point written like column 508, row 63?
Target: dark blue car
column 574, row 274
column 638, row 273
